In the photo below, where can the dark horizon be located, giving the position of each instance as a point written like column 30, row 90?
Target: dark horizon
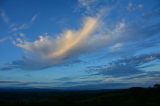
column 135, row 96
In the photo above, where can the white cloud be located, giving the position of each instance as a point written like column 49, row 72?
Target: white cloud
column 116, row 47
column 134, row 7
column 90, row 7
column 65, row 44
column 48, row 51
column 34, row 18
column 87, row 3
column 16, row 28
column 51, row 51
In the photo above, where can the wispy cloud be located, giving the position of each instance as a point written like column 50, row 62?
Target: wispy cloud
column 14, row 28
column 34, row 18
column 4, row 16
column 23, row 84
column 3, row 40
column 134, row 7
column 23, row 26
column 91, row 7
column 87, row 4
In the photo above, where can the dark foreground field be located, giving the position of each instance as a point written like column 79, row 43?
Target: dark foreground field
column 128, row 97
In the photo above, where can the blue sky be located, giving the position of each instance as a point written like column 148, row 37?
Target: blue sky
column 79, row 44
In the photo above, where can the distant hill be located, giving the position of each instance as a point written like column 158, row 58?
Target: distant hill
column 127, row 97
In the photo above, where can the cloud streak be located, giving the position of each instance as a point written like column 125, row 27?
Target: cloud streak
column 125, row 66
column 4, row 16
column 24, row 26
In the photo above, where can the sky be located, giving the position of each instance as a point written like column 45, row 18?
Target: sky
column 79, row 44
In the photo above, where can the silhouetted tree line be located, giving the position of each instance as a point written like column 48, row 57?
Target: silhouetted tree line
column 157, row 86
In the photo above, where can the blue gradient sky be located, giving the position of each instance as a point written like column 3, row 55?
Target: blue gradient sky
column 80, row 44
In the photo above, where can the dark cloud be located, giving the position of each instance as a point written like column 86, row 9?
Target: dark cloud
column 25, row 83
column 85, row 82
column 35, row 64
column 153, row 75
column 125, row 66
column 65, row 79
column 107, row 86
column 9, row 82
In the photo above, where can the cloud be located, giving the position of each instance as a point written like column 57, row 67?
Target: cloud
column 91, row 7
column 16, row 28
column 19, row 27
column 4, row 16
column 134, row 7
column 34, row 18
column 65, row 79
column 116, row 47
column 135, row 79
column 87, row 3
column 94, row 34
column 12, row 83
column 125, row 66
column 114, row 82
column 48, row 51
column 25, row 84
column 3, row 39
column 153, row 13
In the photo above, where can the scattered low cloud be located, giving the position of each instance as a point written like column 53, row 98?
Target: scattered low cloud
column 125, row 66
column 108, row 82
column 87, row 4
column 25, row 84
column 91, row 7
column 115, row 82
column 133, row 7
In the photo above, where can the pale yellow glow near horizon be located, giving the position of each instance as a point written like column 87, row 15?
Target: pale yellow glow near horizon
column 73, row 39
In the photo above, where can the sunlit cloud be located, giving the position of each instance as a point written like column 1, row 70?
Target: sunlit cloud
column 48, row 51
